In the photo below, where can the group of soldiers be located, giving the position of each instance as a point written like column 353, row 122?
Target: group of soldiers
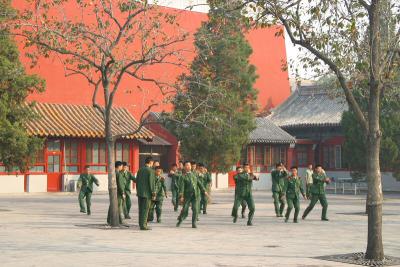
column 190, row 187
column 286, row 188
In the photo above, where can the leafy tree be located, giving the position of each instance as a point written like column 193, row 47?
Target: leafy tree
column 354, row 151
column 17, row 148
column 358, row 42
column 108, row 42
column 214, row 109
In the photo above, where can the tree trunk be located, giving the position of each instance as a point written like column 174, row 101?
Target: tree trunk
column 112, row 182
column 374, row 134
column 374, row 201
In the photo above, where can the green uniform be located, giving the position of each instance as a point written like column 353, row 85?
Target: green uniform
column 120, row 178
column 190, row 189
column 318, row 193
column 278, row 182
column 156, row 204
column 128, row 202
column 243, row 204
column 145, row 188
column 292, row 188
column 205, row 179
column 198, row 200
column 175, row 188
column 244, row 193
column 85, row 183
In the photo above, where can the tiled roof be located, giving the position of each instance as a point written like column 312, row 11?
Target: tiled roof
column 82, row 121
column 268, row 132
column 157, row 141
column 309, row 106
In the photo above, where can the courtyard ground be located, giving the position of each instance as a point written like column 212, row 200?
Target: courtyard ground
column 48, row 230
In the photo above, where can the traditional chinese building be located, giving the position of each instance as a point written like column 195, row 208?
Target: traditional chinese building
column 268, row 144
column 304, row 129
column 313, row 117
column 74, row 138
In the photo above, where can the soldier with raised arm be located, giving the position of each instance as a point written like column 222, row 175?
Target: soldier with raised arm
column 278, row 181
column 292, row 189
column 318, row 193
column 244, row 192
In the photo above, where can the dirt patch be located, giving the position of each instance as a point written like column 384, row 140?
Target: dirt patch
column 359, row 259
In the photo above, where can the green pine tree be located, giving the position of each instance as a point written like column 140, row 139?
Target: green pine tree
column 17, row 149
column 216, row 106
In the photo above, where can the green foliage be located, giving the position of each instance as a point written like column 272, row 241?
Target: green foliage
column 354, row 148
column 16, row 147
column 215, row 107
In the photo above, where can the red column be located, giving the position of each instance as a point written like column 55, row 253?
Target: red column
column 135, row 157
column 82, row 151
column 25, row 181
column 290, row 156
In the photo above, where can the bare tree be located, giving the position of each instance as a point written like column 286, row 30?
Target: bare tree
column 104, row 41
column 347, row 37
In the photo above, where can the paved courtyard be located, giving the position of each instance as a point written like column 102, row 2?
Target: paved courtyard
column 48, row 230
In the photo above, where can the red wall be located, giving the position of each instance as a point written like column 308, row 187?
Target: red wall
column 269, row 53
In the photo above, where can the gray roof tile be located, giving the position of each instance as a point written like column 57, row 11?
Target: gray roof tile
column 268, row 132
column 309, row 106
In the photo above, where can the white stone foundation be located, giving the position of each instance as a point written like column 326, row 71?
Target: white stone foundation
column 36, row 183
column 12, row 183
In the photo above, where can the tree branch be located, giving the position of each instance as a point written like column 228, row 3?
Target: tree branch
column 348, row 94
column 62, row 51
column 142, row 123
column 94, row 101
column 365, row 5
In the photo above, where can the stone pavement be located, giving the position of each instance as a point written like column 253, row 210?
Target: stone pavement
column 48, row 230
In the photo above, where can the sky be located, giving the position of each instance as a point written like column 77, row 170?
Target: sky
column 200, row 6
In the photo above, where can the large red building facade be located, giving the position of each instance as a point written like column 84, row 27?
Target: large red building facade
column 269, row 55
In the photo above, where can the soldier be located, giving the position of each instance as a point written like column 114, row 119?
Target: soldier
column 292, row 189
column 278, row 181
column 239, row 169
column 244, row 193
column 128, row 178
column 205, row 178
column 196, row 172
column 156, row 164
column 309, row 180
column 174, row 174
column 189, row 194
column 85, row 185
column 161, row 191
column 145, row 188
column 180, row 166
column 318, row 192
column 120, row 179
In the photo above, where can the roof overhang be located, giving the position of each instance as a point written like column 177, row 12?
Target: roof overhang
column 82, row 121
